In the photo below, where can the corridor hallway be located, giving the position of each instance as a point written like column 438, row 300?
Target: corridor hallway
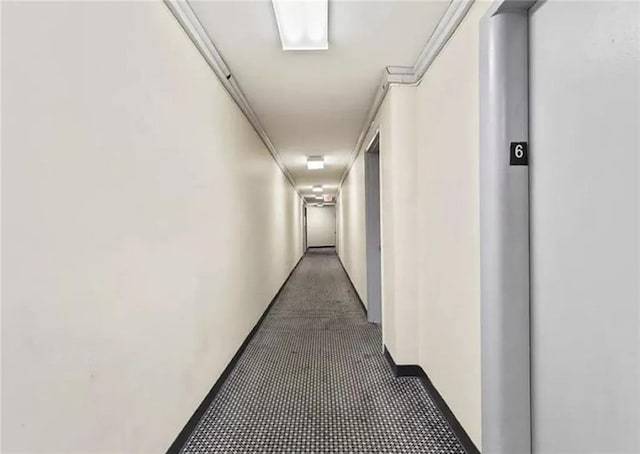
column 199, row 196
column 314, row 380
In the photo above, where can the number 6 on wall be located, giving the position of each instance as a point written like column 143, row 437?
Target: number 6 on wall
column 518, row 153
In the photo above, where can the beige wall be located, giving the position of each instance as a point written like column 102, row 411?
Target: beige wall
column 395, row 122
column 429, row 214
column 398, row 223
column 448, row 222
column 350, row 212
column 145, row 227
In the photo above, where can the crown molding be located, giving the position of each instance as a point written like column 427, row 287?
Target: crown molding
column 410, row 75
column 393, row 75
column 188, row 20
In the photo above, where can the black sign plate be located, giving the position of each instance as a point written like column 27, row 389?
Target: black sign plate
column 518, row 154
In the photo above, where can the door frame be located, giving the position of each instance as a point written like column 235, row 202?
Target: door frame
column 504, row 228
column 373, row 233
column 304, row 228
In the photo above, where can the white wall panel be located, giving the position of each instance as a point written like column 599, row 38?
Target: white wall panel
column 145, row 227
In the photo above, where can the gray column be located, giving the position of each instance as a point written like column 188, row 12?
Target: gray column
column 504, row 230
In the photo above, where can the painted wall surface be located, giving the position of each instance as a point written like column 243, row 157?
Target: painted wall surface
column 585, row 248
column 351, row 234
column 321, row 226
column 395, row 123
column 430, row 223
column 145, row 227
column 448, row 222
column 398, row 223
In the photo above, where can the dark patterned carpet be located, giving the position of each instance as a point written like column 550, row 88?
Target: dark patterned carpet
column 314, row 380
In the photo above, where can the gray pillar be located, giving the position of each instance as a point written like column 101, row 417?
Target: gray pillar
column 504, row 229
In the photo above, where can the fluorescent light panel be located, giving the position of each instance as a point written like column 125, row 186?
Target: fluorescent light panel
column 317, row 188
column 302, row 24
column 315, row 162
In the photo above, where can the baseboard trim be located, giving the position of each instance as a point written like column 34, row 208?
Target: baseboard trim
column 186, row 431
column 403, row 370
column 413, row 370
column 320, row 247
column 364, row 308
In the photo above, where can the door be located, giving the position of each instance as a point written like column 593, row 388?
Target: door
column 583, row 131
column 372, row 206
column 321, row 226
column 304, row 228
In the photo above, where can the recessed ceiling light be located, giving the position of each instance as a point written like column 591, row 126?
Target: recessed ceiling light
column 302, row 24
column 320, row 205
column 319, row 197
column 315, row 162
column 317, row 188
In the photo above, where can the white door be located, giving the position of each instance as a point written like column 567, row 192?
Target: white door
column 321, row 226
column 584, row 148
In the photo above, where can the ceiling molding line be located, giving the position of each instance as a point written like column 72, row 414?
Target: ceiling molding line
column 189, row 21
column 410, row 75
column 455, row 13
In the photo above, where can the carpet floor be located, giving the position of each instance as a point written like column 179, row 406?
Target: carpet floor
column 314, row 380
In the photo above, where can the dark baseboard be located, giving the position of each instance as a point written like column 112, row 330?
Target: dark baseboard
column 412, row 370
column 403, row 370
column 186, row 431
column 364, row 308
column 319, row 247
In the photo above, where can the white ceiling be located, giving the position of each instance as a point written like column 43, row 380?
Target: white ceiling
column 315, row 103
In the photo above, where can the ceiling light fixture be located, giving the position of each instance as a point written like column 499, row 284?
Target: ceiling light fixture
column 302, row 24
column 317, row 188
column 319, row 197
column 315, row 162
